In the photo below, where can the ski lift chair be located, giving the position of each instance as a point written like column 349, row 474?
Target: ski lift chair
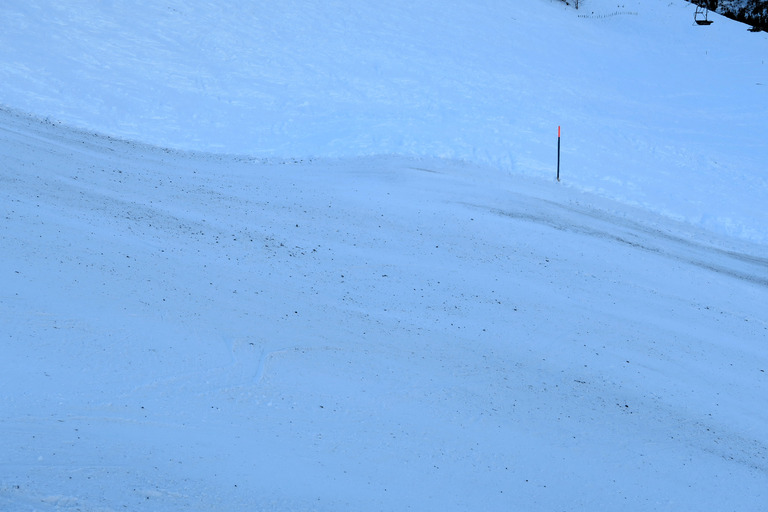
column 701, row 14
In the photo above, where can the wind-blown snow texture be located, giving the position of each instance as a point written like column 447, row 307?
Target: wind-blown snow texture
column 314, row 326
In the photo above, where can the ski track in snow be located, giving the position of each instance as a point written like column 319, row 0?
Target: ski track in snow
column 747, row 266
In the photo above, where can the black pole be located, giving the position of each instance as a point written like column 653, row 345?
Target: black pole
column 558, row 153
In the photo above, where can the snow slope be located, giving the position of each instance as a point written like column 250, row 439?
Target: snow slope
column 203, row 332
column 192, row 330
column 649, row 102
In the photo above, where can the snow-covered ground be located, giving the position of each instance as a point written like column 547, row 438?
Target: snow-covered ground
column 311, row 256
column 649, row 102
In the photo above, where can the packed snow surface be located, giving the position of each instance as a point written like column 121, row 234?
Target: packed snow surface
column 311, row 255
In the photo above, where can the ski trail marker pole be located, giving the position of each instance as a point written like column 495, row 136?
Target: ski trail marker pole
column 558, row 153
